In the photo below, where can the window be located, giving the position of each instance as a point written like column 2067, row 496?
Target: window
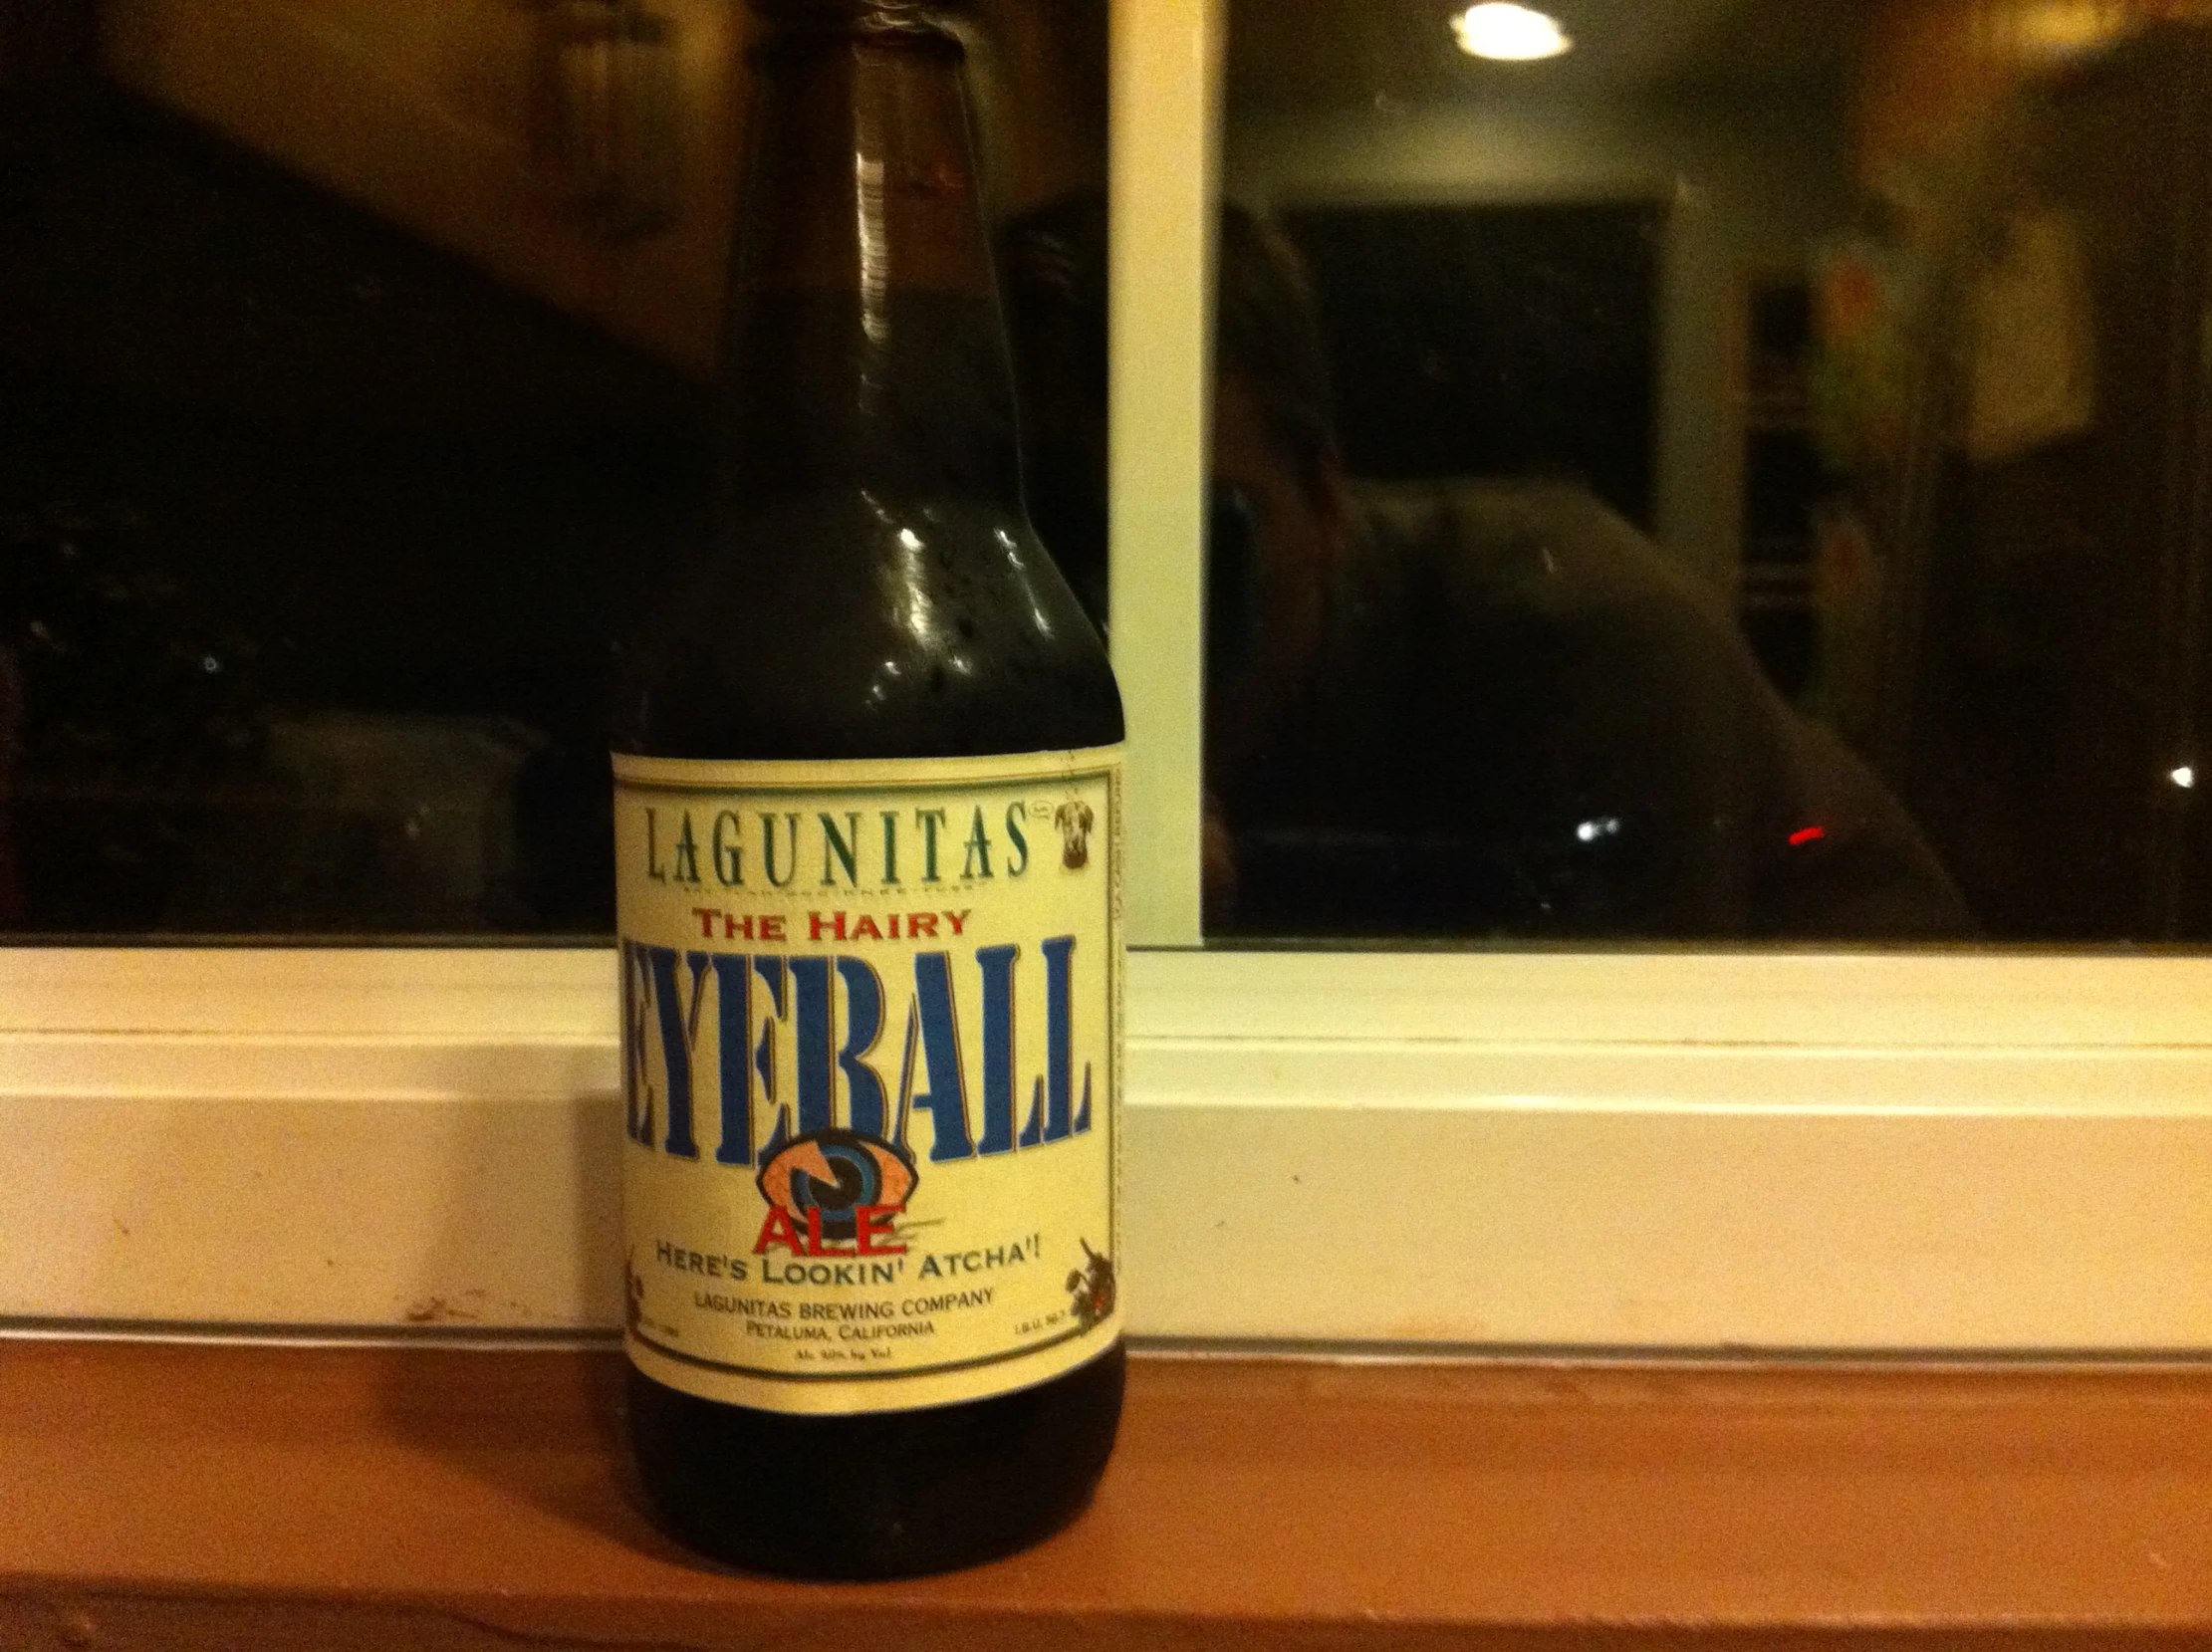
column 1744, row 455
column 1664, row 1149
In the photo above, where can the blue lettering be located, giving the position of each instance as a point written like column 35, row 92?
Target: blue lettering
column 834, row 1007
column 771, row 972
column 947, row 1100
column 1059, row 1035
column 863, row 1024
column 810, row 979
column 1034, row 1131
column 733, row 1028
column 997, row 964
column 679, row 1033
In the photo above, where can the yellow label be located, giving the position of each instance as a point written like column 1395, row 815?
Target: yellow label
column 872, row 1075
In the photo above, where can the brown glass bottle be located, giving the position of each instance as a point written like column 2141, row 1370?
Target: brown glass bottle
column 871, row 590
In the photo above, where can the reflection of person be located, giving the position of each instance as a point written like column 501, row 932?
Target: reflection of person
column 1456, row 707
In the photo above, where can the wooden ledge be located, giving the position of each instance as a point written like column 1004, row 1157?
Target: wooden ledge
column 187, row 1498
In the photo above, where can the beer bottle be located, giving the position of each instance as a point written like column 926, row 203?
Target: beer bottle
column 867, row 823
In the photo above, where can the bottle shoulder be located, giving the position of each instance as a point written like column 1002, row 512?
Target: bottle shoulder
column 859, row 626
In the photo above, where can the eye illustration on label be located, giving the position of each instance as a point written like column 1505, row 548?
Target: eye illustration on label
column 832, row 1184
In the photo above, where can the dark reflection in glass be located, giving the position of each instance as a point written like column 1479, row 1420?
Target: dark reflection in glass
column 1491, row 705
column 1500, row 340
column 309, row 537
column 1466, row 705
column 313, row 533
column 2015, row 375
column 1762, row 486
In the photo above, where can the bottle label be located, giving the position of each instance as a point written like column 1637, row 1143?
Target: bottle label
column 871, row 1074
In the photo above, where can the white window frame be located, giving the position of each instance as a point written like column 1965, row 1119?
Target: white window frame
column 1964, row 1153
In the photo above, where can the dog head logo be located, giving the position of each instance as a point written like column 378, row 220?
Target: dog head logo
column 1074, row 820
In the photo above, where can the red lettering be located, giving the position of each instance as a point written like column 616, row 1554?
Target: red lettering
column 815, row 926
column 865, row 929
column 815, row 1245
column 737, row 928
column 921, row 926
column 706, row 916
column 876, row 1223
column 771, row 926
column 958, row 920
column 777, row 1230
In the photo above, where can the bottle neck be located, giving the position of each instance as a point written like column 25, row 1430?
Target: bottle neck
column 864, row 346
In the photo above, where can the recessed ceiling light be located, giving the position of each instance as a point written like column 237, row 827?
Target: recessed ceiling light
column 1511, row 34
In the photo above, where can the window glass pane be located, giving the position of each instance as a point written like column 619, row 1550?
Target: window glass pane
column 355, row 361
column 1737, row 475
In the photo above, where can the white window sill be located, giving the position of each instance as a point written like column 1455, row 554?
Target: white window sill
column 1813, row 1152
